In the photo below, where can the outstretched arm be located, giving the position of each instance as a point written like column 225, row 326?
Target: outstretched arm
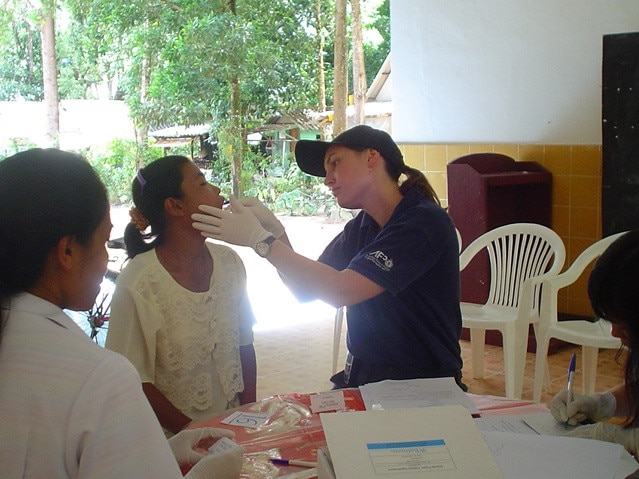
column 309, row 278
column 312, row 279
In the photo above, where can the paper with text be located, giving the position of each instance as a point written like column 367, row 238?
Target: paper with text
column 408, row 444
column 393, row 394
column 533, row 456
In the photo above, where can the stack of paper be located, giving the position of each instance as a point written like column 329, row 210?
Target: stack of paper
column 393, row 394
column 408, row 444
column 532, row 456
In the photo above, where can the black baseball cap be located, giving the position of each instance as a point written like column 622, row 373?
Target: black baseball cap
column 309, row 154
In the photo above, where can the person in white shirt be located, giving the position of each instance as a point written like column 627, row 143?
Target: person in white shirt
column 69, row 408
column 180, row 311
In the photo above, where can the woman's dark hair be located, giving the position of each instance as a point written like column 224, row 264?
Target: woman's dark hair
column 45, row 195
column 416, row 179
column 157, row 181
column 613, row 289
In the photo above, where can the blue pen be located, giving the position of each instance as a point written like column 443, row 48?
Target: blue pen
column 571, row 376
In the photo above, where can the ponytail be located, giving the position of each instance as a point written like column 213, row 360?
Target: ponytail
column 417, row 179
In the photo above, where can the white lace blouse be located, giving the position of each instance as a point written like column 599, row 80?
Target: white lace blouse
column 185, row 343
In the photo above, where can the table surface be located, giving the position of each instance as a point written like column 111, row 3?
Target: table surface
column 294, row 431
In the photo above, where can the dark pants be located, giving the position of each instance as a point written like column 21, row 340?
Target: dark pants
column 356, row 373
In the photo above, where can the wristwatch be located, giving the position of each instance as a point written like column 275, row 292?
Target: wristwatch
column 263, row 248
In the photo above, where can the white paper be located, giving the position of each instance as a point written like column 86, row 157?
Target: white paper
column 408, row 444
column 514, row 424
column 546, row 424
column 221, row 445
column 328, row 401
column 411, row 393
column 533, row 456
column 246, row 419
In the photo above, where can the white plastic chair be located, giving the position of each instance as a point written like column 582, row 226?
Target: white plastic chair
column 517, row 254
column 590, row 335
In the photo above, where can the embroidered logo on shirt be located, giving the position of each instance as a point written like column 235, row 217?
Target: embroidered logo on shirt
column 380, row 259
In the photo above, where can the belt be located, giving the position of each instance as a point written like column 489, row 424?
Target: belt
column 357, row 372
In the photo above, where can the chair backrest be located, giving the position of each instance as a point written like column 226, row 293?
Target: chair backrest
column 582, row 261
column 516, row 252
column 553, row 283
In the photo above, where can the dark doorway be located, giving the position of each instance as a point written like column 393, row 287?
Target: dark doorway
column 620, row 133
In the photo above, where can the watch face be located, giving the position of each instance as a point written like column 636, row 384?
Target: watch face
column 262, row 248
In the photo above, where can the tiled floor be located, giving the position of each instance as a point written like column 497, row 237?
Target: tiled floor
column 298, row 358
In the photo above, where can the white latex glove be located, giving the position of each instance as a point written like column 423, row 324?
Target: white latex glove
column 603, row 431
column 267, row 219
column 595, row 407
column 184, row 442
column 224, row 465
column 238, row 226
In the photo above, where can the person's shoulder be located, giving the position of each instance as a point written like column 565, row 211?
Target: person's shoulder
column 223, row 251
column 424, row 209
column 138, row 265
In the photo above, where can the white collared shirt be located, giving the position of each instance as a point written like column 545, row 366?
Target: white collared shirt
column 68, row 408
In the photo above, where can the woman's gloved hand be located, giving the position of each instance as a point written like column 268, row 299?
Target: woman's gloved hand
column 223, row 465
column 267, row 219
column 236, row 226
column 603, row 431
column 582, row 408
column 183, row 444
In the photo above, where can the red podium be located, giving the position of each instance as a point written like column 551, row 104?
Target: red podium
column 487, row 190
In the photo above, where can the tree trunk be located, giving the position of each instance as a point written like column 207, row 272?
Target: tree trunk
column 319, row 25
column 50, row 79
column 237, row 143
column 141, row 126
column 340, row 90
column 359, row 67
column 237, row 136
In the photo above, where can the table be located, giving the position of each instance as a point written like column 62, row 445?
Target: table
column 293, row 431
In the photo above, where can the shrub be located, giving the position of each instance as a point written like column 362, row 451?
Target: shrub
column 116, row 164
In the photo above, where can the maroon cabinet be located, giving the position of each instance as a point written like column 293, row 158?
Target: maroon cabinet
column 487, row 190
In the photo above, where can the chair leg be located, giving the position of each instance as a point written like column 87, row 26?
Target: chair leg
column 514, row 345
column 337, row 336
column 541, row 365
column 589, row 368
column 477, row 339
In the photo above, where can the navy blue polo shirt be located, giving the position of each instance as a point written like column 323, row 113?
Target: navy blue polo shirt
column 416, row 321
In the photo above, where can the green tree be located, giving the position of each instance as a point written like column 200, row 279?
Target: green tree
column 39, row 18
column 229, row 64
column 376, row 53
column 20, row 54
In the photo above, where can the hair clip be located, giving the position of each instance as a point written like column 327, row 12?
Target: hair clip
column 140, row 178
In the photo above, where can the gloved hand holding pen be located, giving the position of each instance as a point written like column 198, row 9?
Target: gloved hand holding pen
column 236, row 225
column 583, row 408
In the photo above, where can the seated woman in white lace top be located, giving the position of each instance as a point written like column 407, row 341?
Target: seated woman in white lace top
column 180, row 311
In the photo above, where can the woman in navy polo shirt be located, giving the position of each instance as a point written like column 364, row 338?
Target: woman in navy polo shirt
column 395, row 265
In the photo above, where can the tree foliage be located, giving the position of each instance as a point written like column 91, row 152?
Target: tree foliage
column 178, row 61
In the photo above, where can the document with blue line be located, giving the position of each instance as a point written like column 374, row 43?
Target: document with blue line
column 408, row 444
